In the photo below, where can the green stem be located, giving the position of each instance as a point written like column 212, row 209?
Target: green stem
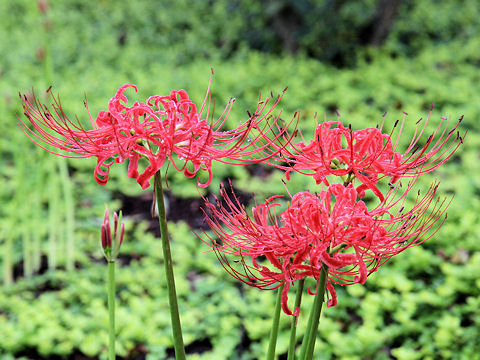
column 7, row 260
column 293, row 329
column 306, row 336
column 36, row 248
column 36, row 221
column 47, row 61
column 274, row 333
column 69, row 212
column 53, row 213
column 27, row 254
column 172, row 295
column 111, row 309
column 23, row 207
column 308, row 345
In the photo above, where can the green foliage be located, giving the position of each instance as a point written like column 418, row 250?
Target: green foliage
column 422, row 22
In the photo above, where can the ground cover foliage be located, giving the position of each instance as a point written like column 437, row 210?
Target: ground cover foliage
column 421, row 305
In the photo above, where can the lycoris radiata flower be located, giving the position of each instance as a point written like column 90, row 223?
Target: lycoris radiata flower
column 331, row 227
column 162, row 127
column 368, row 155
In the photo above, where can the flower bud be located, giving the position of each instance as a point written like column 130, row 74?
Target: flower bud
column 40, row 54
column 104, row 237
column 42, row 6
column 111, row 245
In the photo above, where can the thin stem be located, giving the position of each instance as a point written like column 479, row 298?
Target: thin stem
column 69, row 212
column 306, row 336
column 27, row 254
column 47, row 61
column 293, row 329
column 36, row 223
column 274, row 332
column 172, row 295
column 7, row 260
column 53, row 213
column 36, row 248
column 315, row 314
column 111, row 309
column 23, row 206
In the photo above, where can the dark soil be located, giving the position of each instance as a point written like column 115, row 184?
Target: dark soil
column 189, row 210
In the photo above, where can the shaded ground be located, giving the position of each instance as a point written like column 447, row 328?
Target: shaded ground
column 178, row 208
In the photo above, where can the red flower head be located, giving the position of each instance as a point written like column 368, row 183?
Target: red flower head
column 368, row 154
column 165, row 126
column 332, row 227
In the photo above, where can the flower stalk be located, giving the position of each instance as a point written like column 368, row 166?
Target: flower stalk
column 276, row 320
column 7, row 259
column 293, row 329
column 172, row 295
column 310, row 337
column 111, row 247
column 69, row 213
column 111, row 309
column 53, row 214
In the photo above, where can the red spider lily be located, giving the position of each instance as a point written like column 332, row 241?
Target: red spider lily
column 332, row 227
column 369, row 154
column 165, row 126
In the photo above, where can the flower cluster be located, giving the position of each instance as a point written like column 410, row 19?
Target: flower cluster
column 334, row 227
column 162, row 127
column 369, row 155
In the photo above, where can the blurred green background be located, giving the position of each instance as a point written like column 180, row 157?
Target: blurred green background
column 362, row 57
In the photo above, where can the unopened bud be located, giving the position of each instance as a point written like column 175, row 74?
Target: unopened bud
column 103, row 237
column 111, row 244
column 47, row 24
column 43, row 6
column 40, row 54
column 115, row 224
column 122, row 232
